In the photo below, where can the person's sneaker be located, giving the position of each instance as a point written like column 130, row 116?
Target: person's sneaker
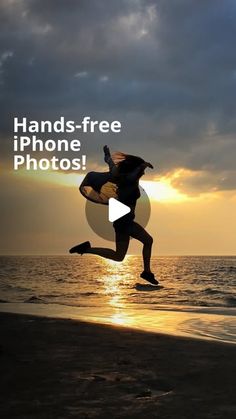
column 149, row 276
column 81, row 248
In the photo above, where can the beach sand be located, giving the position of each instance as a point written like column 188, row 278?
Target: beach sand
column 56, row 368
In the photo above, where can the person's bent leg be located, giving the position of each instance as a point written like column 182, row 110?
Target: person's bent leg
column 139, row 233
column 122, row 244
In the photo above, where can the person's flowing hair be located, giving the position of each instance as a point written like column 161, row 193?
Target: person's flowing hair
column 100, row 187
column 126, row 163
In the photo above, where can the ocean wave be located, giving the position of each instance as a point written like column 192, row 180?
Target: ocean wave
column 230, row 301
column 14, row 287
column 60, row 280
column 68, row 295
column 212, row 291
column 34, row 299
column 226, row 269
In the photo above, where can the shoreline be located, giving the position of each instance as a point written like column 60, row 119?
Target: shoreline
column 191, row 322
column 60, row 368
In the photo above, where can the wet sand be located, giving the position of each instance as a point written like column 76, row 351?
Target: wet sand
column 56, row 368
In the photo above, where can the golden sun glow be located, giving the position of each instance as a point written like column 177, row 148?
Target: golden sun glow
column 160, row 190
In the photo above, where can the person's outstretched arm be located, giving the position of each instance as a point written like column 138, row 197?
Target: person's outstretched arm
column 109, row 161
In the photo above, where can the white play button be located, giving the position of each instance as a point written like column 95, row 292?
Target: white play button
column 116, row 210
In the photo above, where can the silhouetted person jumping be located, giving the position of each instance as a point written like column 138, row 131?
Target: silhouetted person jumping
column 121, row 182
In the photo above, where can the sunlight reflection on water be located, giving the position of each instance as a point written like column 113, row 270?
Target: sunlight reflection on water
column 105, row 291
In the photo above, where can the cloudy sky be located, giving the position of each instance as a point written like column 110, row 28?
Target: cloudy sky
column 167, row 71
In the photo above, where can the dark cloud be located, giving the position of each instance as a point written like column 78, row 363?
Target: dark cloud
column 167, row 70
column 197, row 183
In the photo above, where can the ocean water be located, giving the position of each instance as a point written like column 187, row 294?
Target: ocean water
column 102, row 288
column 91, row 281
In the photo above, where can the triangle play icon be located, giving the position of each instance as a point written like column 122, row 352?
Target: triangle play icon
column 116, row 210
